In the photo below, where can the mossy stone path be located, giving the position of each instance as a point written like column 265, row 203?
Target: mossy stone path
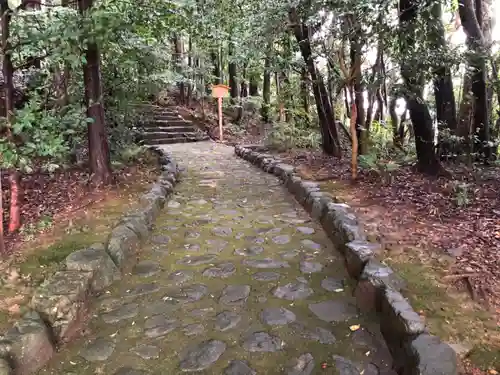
column 236, row 280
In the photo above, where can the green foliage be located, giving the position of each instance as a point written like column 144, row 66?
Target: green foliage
column 284, row 136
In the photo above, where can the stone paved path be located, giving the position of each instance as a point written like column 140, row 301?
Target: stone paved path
column 237, row 280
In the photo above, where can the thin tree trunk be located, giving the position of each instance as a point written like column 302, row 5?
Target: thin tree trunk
column 190, row 64
column 254, row 84
column 354, row 139
column 233, row 82
column 15, row 201
column 396, row 139
column 471, row 15
column 216, row 68
column 7, row 68
column 3, row 249
column 178, row 58
column 359, row 88
column 244, row 84
column 266, row 89
column 304, row 89
column 419, row 112
column 329, row 134
column 99, row 157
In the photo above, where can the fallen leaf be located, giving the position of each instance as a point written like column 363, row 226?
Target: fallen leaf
column 355, row 327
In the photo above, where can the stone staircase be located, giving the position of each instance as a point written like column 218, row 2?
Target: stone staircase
column 161, row 125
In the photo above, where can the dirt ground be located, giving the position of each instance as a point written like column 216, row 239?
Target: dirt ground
column 60, row 214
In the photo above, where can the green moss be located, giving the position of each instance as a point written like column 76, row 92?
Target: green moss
column 449, row 314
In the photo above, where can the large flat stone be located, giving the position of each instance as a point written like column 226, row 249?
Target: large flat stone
column 293, row 291
column 237, row 367
column 262, row 342
column 95, row 260
column 62, row 300
column 333, row 310
column 428, row 355
column 277, row 316
column 303, row 365
column 265, row 263
column 235, row 294
column 202, row 356
column 27, row 344
column 98, row 350
column 127, row 311
column 123, row 243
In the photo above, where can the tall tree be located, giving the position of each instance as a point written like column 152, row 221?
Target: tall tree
column 471, row 16
column 99, row 157
column 414, row 83
column 328, row 127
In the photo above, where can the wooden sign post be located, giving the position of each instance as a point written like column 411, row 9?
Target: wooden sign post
column 220, row 91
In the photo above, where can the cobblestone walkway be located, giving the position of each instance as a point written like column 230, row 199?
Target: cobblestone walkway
column 237, row 280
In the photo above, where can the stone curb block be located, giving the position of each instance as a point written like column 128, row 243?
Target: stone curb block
column 60, row 305
column 378, row 288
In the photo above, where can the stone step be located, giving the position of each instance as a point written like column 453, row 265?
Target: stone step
column 163, row 123
column 166, row 117
column 161, row 135
column 169, row 129
column 163, row 141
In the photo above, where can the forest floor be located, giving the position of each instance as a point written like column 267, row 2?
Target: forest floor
column 61, row 214
column 444, row 241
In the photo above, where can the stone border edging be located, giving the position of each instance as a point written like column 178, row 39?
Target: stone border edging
column 378, row 289
column 60, row 305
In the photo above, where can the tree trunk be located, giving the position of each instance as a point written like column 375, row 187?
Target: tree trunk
column 419, row 112
column 254, row 84
column 233, row 82
column 216, row 68
column 15, row 201
column 465, row 109
column 192, row 78
column 359, row 89
column 3, row 249
column 326, row 116
column 354, row 138
column 266, row 89
column 444, row 95
column 396, row 139
column 244, row 84
column 99, row 157
column 471, row 17
column 304, row 89
column 178, row 58
column 7, row 68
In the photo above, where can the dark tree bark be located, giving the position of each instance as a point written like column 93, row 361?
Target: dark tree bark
column 266, row 89
column 178, row 56
column 244, row 84
column 326, row 116
column 471, row 16
column 233, row 82
column 444, row 95
column 99, row 157
column 3, row 250
column 217, row 73
column 419, row 112
column 190, row 64
column 254, row 84
column 304, row 89
column 395, row 123
column 7, row 68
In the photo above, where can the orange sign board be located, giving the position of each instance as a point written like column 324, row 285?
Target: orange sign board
column 220, row 91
